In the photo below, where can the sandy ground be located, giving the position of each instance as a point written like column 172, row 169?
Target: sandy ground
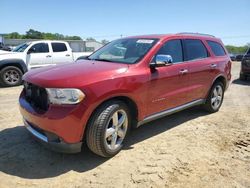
column 187, row 149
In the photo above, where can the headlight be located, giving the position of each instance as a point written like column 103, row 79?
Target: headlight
column 65, row 96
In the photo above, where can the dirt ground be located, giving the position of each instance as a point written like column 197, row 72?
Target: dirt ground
column 188, row 149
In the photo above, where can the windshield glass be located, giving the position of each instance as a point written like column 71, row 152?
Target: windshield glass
column 21, row 47
column 128, row 50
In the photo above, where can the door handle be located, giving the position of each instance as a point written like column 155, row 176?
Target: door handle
column 67, row 55
column 213, row 65
column 48, row 56
column 183, row 71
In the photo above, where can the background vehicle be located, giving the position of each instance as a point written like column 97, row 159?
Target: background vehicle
column 232, row 57
column 239, row 57
column 4, row 48
column 33, row 55
column 245, row 66
column 125, row 84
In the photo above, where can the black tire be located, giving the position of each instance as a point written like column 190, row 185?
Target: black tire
column 243, row 77
column 210, row 105
column 15, row 76
column 98, row 125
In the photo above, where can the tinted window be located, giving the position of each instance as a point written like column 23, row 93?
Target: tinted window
column 172, row 48
column 216, row 48
column 40, row 48
column 59, row 47
column 194, row 49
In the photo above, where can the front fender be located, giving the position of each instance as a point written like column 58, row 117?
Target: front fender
column 14, row 62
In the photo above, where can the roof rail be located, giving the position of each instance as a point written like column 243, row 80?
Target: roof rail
column 190, row 33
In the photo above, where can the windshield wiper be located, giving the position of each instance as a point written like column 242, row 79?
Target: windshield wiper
column 106, row 60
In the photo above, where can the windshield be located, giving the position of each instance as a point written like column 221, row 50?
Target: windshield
column 129, row 50
column 21, row 47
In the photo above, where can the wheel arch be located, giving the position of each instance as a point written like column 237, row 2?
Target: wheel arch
column 133, row 107
column 221, row 79
column 19, row 63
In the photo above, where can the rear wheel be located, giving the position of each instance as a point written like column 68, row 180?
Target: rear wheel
column 10, row 76
column 108, row 128
column 215, row 98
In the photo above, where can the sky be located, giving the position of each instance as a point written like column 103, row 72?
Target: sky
column 111, row 19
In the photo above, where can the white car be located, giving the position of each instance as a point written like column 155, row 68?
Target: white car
column 34, row 55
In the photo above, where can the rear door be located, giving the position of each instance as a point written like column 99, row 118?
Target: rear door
column 38, row 55
column 202, row 70
column 61, row 54
column 168, row 85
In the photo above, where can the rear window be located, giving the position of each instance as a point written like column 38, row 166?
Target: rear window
column 194, row 49
column 248, row 53
column 59, row 47
column 216, row 48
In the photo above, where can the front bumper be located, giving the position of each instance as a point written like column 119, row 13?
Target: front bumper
column 52, row 141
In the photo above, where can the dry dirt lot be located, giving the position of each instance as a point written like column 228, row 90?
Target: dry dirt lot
column 188, row 149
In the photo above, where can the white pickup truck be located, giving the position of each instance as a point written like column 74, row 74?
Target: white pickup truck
column 34, row 55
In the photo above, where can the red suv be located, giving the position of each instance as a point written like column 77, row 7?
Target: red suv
column 128, row 82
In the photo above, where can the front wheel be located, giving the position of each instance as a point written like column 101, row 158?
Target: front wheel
column 215, row 98
column 10, row 76
column 108, row 128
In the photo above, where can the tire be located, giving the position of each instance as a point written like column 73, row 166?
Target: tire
column 213, row 101
column 105, row 136
column 243, row 77
column 10, row 76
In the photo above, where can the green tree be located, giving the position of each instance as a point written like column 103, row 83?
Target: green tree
column 236, row 49
column 13, row 35
column 33, row 34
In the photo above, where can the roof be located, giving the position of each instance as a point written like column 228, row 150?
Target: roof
column 187, row 34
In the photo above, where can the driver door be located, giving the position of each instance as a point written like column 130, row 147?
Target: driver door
column 39, row 55
column 168, row 85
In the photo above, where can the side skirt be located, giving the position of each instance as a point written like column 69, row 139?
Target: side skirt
column 171, row 111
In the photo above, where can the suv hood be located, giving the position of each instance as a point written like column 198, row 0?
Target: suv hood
column 74, row 75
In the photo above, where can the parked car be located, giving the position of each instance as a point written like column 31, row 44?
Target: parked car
column 4, row 48
column 239, row 57
column 232, row 57
column 33, row 55
column 99, row 99
column 245, row 66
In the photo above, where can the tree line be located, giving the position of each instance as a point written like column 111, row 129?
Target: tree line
column 33, row 34
column 237, row 49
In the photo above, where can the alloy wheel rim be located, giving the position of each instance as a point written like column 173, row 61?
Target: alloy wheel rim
column 11, row 76
column 217, row 97
column 116, row 129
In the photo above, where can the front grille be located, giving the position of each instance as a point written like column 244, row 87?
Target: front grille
column 36, row 96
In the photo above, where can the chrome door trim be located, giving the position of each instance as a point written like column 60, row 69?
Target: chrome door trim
column 171, row 111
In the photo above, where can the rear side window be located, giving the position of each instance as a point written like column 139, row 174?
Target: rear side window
column 59, row 47
column 173, row 48
column 40, row 48
column 216, row 48
column 194, row 49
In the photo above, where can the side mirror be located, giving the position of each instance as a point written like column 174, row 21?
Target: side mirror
column 161, row 61
column 31, row 50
